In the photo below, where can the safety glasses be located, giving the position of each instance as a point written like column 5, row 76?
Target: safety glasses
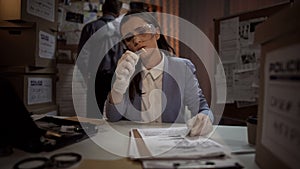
column 144, row 33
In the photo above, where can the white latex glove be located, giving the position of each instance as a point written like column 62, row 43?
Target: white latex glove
column 199, row 125
column 124, row 71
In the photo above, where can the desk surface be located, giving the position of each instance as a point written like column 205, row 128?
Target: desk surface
column 112, row 139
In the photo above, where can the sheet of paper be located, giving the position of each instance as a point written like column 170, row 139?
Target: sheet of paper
column 249, row 57
column 247, row 30
column 242, row 84
column 73, row 37
column 169, row 132
column 238, row 53
column 42, row 8
column 71, row 30
column 229, row 40
column 231, row 44
column 229, row 56
column 221, row 88
column 244, row 33
column 220, row 92
column 47, row 44
column 229, row 69
column 168, row 147
column 172, row 143
column 281, row 129
column 229, row 28
column 39, row 90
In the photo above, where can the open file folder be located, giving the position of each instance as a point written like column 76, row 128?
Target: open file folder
column 170, row 148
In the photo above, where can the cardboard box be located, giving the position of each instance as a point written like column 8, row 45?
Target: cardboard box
column 36, row 90
column 278, row 131
column 43, row 12
column 26, row 43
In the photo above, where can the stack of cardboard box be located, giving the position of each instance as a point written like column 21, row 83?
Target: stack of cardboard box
column 278, row 136
column 28, row 31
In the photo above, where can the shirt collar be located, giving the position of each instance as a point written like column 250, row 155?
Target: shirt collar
column 156, row 71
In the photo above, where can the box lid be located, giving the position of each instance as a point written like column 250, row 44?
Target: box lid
column 16, row 24
column 28, row 70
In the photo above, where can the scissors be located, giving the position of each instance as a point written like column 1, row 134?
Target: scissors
column 61, row 160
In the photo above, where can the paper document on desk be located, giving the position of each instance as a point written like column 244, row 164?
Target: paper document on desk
column 171, row 143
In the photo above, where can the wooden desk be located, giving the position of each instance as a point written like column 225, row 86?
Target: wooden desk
column 113, row 138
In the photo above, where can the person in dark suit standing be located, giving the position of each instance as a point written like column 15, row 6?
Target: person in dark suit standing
column 110, row 42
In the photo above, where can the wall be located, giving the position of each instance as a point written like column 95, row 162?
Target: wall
column 237, row 6
column 202, row 13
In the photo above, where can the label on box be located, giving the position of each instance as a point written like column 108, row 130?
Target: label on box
column 39, row 90
column 281, row 129
column 42, row 8
column 47, row 44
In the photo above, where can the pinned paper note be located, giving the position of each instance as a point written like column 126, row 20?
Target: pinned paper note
column 42, row 8
column 47, row 43
column 39, row 90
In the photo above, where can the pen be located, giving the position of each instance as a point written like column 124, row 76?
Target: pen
column 207, row 165
column 237, row 152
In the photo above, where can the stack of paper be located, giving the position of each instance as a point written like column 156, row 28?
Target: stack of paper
column 163, row 147
column 170, row 143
